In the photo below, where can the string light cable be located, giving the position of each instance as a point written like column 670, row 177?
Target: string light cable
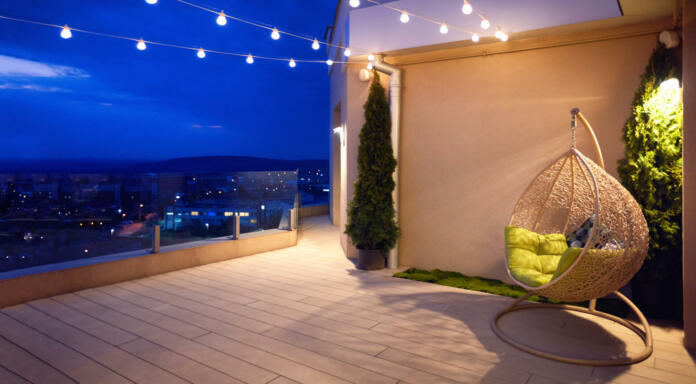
column 276, row 32
column 444, row 27
column 141, row 44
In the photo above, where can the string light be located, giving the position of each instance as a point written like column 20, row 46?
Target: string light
column 475, row 38
column 315, row 44
column 222, row 19
column 151, row 1
column 370, row 57
column 141, row 45
column 404, row 17
column 250, row 59
column 292, row 63
column 444, row 29
column 262, row 25
column 485, row 24
column 275, row 35
column 467, row 8
column 504, row 37
column 65, row 32
column 347, row 52
column 370, row 66
column 354, row 3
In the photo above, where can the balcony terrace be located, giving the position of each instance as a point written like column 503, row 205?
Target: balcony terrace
column 305, row 314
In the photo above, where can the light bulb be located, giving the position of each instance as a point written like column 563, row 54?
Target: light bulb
column 485, row 24
column 475, row 38
column 65, row 32
column 354, row 3
column 504, row 37
column 315, row 44
column 201, row 53
column 371, row 57
column 292, row 63
column 222, row 19
column 329, row 62
column 467, row 8
column 370, row 66
column 347, row 52
column 151, row 1
column 250, row 59
column 141, row 45
column 444, row 29
column 275, row 35
column 404, row 17
column 498, row 33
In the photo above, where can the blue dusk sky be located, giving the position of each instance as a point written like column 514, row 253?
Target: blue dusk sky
column 94, row 97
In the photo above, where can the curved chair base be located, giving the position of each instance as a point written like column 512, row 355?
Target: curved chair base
column 646, row 334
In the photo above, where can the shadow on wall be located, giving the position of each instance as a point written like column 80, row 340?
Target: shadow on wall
column 454, row 328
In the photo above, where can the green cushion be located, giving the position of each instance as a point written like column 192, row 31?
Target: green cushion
column 567, row 260
column 533, row 258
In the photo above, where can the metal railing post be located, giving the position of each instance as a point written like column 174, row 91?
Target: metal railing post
column 237, row 228
column 156, row 239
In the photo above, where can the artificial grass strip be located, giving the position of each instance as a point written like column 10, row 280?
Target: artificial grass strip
column 497, row 287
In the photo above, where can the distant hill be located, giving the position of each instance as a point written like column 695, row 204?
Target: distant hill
column 211, row 164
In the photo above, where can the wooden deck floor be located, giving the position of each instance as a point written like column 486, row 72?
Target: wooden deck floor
column 305, row 315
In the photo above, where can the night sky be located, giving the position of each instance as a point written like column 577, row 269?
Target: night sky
column 93, row 97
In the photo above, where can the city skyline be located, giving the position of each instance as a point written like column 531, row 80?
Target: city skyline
column 95, row 98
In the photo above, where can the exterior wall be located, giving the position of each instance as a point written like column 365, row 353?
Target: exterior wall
column 477, row 130
column 39, row 285
column 689, row 198
column 313, row 210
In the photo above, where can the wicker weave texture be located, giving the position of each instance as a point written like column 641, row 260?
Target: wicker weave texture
column 559, row 200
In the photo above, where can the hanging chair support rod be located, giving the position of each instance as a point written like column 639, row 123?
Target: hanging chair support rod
column 575, row 112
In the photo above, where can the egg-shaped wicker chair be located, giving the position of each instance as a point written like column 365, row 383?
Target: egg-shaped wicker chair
column 560, row 200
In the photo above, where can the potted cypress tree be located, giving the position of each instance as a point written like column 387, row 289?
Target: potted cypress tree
column 371, row 216
column 652, row 172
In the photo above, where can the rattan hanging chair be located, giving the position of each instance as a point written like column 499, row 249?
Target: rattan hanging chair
column 558, row 201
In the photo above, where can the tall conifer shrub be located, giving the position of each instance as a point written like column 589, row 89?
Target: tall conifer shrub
column 371, row 215
column 652, row 167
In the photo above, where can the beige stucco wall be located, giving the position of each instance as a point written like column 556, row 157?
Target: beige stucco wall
column 689, row 198
column 477, row 130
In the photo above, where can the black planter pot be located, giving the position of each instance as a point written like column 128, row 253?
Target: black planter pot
column 370, row 259
column 658, row 301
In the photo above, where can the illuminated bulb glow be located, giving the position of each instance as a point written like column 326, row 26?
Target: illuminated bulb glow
column 222, row 19
column 475, row 38
column 329, row 62
column 498, row 33
column 141, row 45
column 347, row 52
column 315, row 44
column 201, row 53
column 404, row 17
column 354, row 3
column 151, row 1
column 504, row 37
column 250, row 59
column 292, row 63
column 444, row 29
column 275, row 35
column 370, row 66
column 467, row 8
column 485, row 24
column 371, row 57
column 65, row 32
